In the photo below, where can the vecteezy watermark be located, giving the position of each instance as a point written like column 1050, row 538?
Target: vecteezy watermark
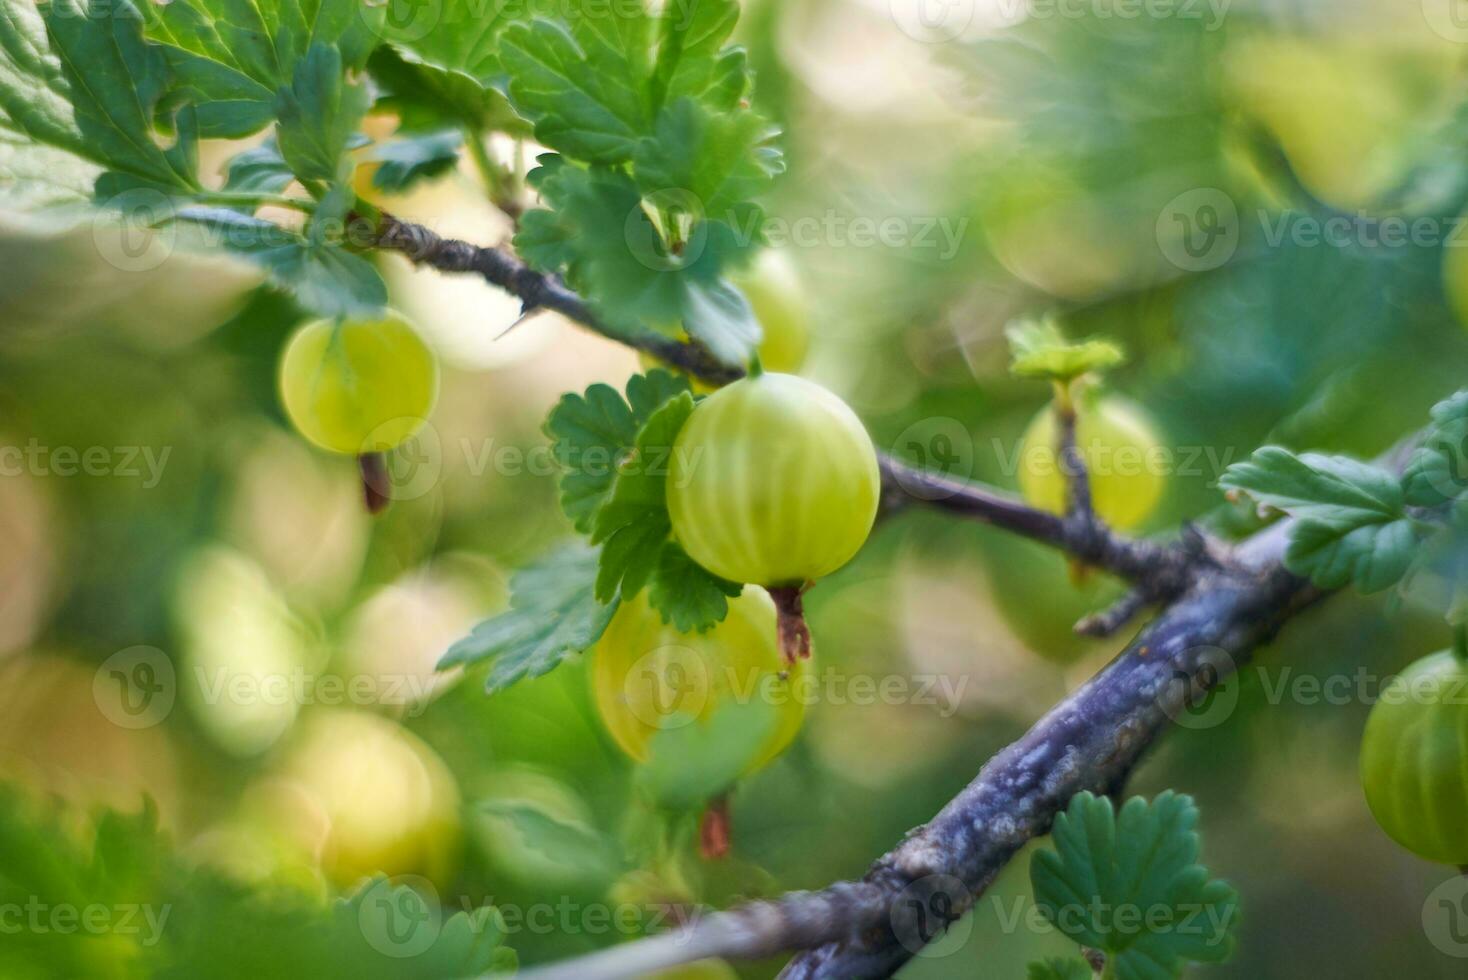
column 937, row 448
column 930, row 908
column 1209, row 921
column 400, row 917
column 303, row 688
column 412, row 20
column 1445, row 917
column 1448, row 19
column 135, row 688
column 670, row 686
column 145, row 463
column 1199, row 229
column 38, row 918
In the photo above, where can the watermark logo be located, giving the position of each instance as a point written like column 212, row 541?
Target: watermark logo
column 667, row 688
column 667, row 231
column 933, row 21
column 400, row 917
column 1204, row 697
column 413, row 467
column 930, row 908
column 1448, row 19
column 132, row 232
column 939, row 447
column 1199, row 229
column 135, row 688
column 1445, row 917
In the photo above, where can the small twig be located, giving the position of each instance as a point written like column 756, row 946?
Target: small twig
column 1072, row 462
column 1106, row 622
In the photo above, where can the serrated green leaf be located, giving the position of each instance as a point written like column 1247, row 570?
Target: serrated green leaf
column 594, row 432
column 688, row 596
column 404, row 162
column 634, row 521
column 690, row 762
column 582, row 87
column 319, row 114
column 91, row 86
column 553, row 615
column 260, row 169
column 692, row 59
column 324, row 277
column 1438, row 470
column 1129, row 885
column 1333, row 490
column 723, row 159
column 1059, row 969
column 1372, row 556
column 1039, row 350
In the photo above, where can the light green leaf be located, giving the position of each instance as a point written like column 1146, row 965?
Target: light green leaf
column 1040, row 350
column 1130, row 886
column 692, row 60
column 319, row 114
column 553, row 615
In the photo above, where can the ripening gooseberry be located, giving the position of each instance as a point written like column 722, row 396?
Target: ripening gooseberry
column 1414, row 759
column 1120, row 450
column 773, row 481
column 646, row 676
column 358, row 386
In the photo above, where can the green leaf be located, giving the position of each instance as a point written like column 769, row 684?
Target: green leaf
column 1059, row 969
column 231, row 57
column 553, row 615
column 1331, row 489
column 634, row 521
column 319, row 114
column 723, row 159
column 583, row 87
column 563, row 843
column 442, row 62
column 1373, row 556
column 692, row 60
column 1438, row 470
column 1039, row 350
column 324, row 277
column 594, row 432
column 260, row 169
column 692, row 761
column 95, row 89
column 1130, row 886
column 404, row 162
column 689, row 597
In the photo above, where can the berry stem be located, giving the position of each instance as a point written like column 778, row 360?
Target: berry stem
column 376, row 488
column 792, row 629
column 716, row 829
column 1460, row 641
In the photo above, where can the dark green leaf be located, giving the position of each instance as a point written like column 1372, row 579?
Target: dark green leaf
column 319, row 114
column 634, row 521
column 553, row 615
column 689, row 596
column 1438, row 470
column 1373, row 556
column 1130, row 886
column 595, row 431
column 404, row 162
column 723, row 159
column 260, row 169
column 1333, row 490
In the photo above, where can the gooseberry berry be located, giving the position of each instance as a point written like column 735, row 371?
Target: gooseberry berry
column 1120, row 450
column 773, row 481
column 647, row 677
column 358, row 386
column 1414, row 759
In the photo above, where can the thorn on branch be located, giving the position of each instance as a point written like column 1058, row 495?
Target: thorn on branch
column 1106, row 622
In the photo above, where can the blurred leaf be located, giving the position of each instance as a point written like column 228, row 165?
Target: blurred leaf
column 692, row 59
column 324, row 277
column 1373, row 556
column 553, row 615
column 1130, row 886
column 404, row 162
column 1438, row 470
column 1331, row 489
column 260, row 169
column 1040, row 350
column 634, row 521
column 1058, row 969
column 562, row 842
column 692, row 761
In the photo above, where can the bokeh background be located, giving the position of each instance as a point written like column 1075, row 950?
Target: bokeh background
column 1152, row 175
